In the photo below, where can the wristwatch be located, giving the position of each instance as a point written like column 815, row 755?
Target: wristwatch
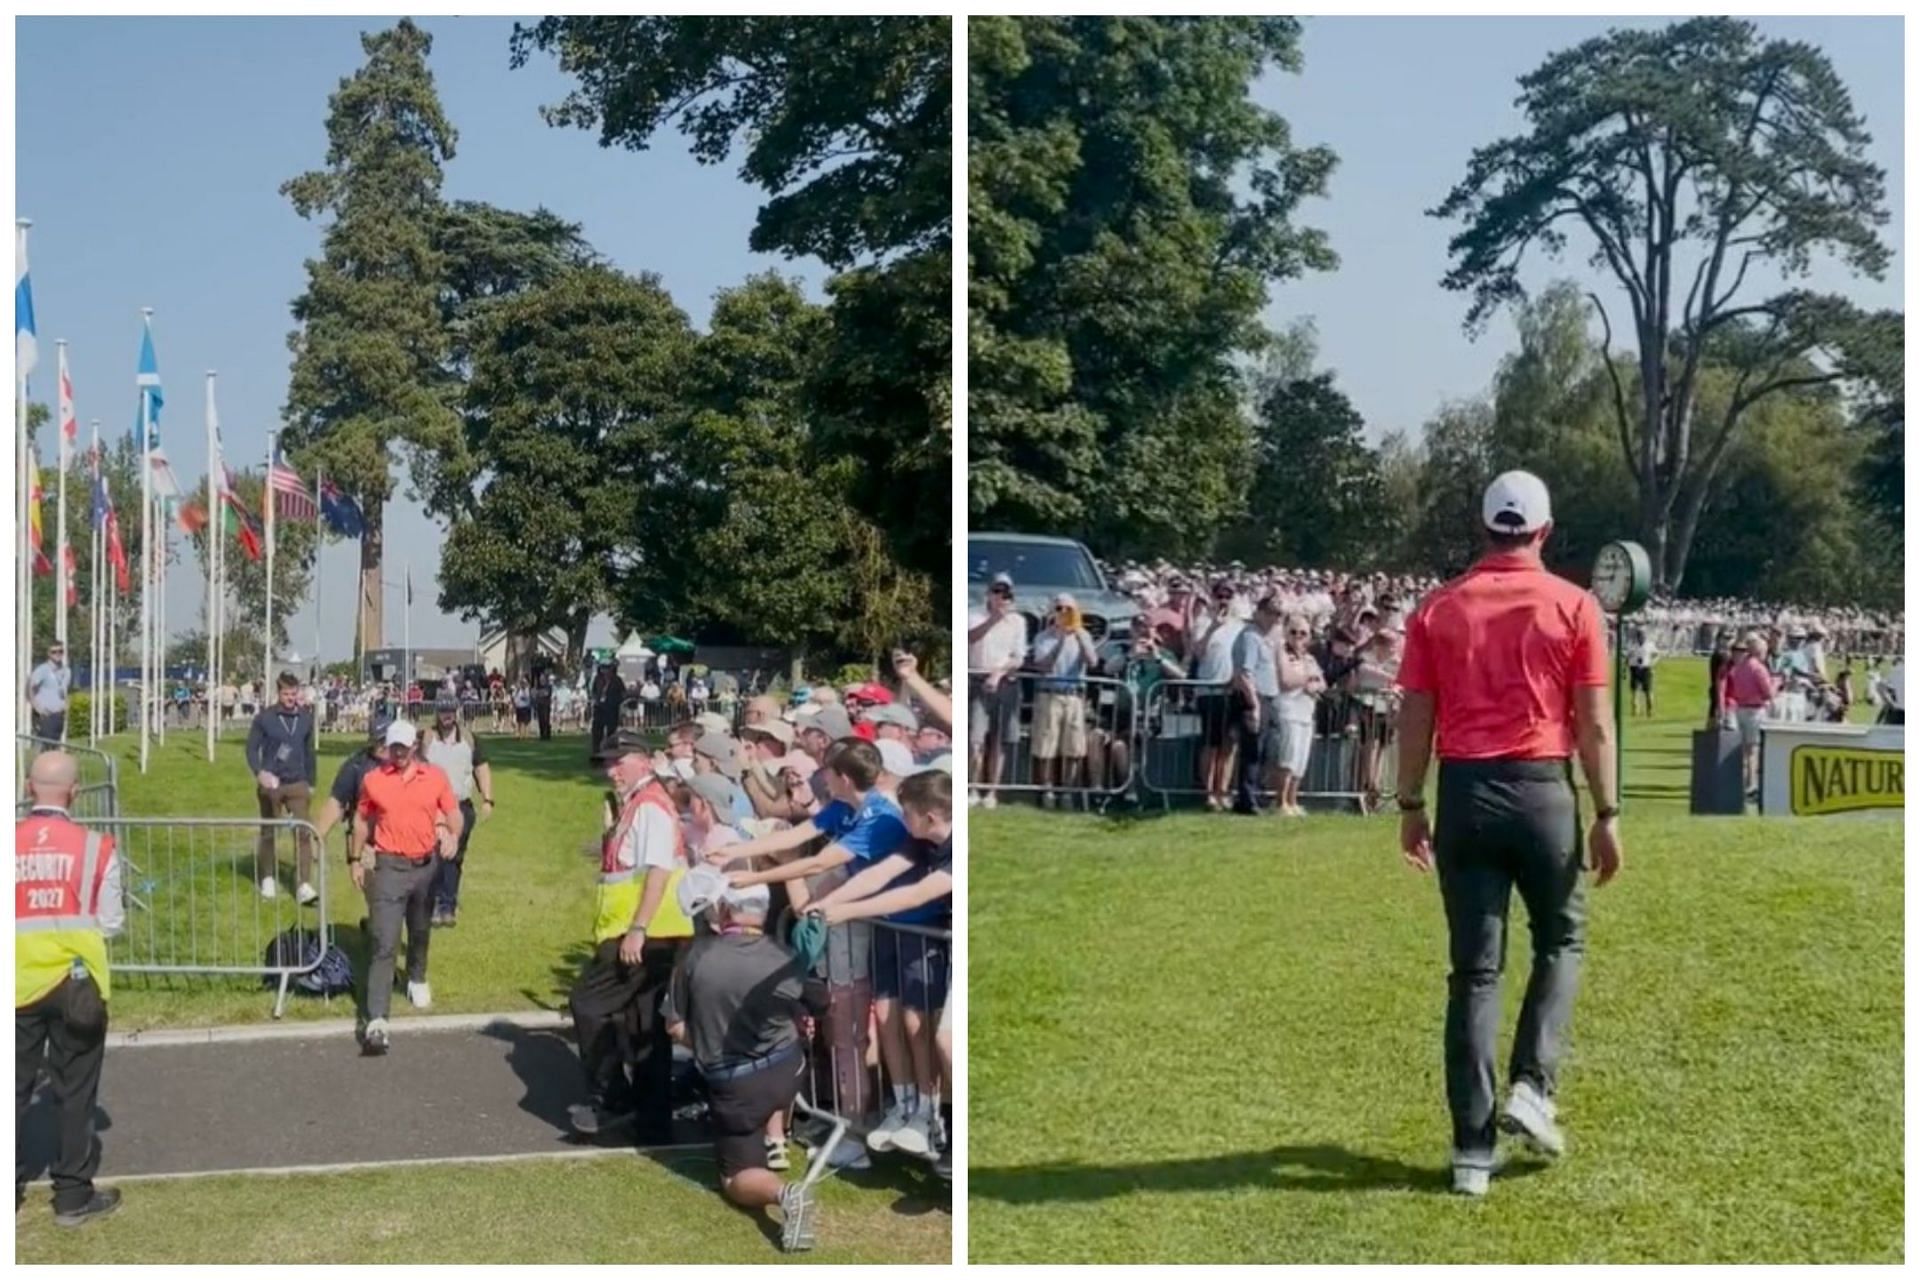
column 1411, row 805
column 1611, row 811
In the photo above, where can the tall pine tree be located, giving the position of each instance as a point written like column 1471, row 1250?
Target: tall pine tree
column 371, row 368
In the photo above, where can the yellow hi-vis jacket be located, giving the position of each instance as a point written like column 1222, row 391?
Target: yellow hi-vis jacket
column 620, row 887
column 59, row 876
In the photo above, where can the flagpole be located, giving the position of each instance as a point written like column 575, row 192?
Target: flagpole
column 266, row 498
column 163, row 525
column 60, row 517
column 93, row 596
column 319, row 554
column 23, row 552
column 146, row 557
column 213, row 547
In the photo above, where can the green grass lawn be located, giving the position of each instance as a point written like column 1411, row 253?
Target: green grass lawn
column 526, row 902
column 609, row 1210
column 1207, row 1039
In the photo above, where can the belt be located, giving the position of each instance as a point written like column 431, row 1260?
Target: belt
column 419, row 860
column 735, row 1070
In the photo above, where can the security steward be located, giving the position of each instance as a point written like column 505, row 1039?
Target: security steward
column 407, row 816
column 457, row 753
column 639, row 932
column 1508, row 663
column 736, row 1002
column 66, row 904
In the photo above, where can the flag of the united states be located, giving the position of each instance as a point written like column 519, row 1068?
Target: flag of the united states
column 292, row 500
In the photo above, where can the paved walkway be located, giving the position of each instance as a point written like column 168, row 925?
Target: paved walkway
column 284, row 1102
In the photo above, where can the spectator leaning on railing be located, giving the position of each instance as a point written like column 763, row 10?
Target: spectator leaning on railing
column 1210, row 640
column 1255, row 693
column 1301, row 682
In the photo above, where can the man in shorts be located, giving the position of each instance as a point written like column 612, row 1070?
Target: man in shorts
column 735, row 1000
column 997, row 644
column 1062, row 655
column 1750, row 688
column 1210, row 654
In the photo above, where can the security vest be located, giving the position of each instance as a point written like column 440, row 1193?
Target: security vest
column 59, row 869
column 620, row 887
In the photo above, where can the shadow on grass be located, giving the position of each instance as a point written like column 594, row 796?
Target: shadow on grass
column 1322, row 1167
column 37, row 1140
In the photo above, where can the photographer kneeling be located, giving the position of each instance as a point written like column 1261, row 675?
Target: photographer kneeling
column 735, row 1000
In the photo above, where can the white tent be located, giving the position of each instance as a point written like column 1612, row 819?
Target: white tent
column 633, row 649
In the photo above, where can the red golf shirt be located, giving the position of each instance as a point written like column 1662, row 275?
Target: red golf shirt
column 402, row 804
column 1501, row 649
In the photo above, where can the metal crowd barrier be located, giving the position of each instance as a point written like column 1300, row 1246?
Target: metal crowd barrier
column 657, row 715
column 1100, row 716
column 98, row 793
column 845, row 1089
column 1145, row 749
column 193, row 899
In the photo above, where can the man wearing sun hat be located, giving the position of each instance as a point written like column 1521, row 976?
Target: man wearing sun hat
column 1508, row 663
column 768, row 743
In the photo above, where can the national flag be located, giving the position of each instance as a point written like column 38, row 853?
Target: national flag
column 342, row 512
column 73, row 578
column 292, row 500
column 35, row 496
column 116, row 552
column 241, row 521
column 152, row 398
column 102, row 504
column 26, row 342
column 69, row 425
column 409, row 586
column 192, row 516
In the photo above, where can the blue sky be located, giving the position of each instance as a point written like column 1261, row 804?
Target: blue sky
column 150, row 153
column 1404, row 102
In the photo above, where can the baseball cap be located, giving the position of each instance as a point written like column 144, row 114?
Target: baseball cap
column 1516, row 502
column 779, row 730
column 715, row 790
column 713, row 722
column 401, row 734
column 896, row 759
column 869, row 692
column 1064, row 600
column 832, row 721
column 624, row 742
column 446, row 702
column 1002, row 579
column 892, row 713
column 719, row 748
column 377, row 731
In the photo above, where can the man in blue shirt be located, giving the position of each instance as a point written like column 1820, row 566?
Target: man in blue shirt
column 47, row 690
column 862, row 826
column 911, row 886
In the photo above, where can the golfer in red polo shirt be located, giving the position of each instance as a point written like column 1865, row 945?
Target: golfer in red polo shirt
column 1509, row 664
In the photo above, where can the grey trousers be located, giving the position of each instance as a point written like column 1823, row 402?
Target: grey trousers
column 397, row 892
column 1503, row 825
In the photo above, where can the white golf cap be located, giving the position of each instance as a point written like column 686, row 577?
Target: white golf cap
column 401, row 734
column 1516, row 502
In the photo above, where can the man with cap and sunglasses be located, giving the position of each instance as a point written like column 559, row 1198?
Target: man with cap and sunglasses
column 735, row 1000
column 639, row 931
column 457, row 753
column 1509, row 664
column 997, row 644
column 408, row 818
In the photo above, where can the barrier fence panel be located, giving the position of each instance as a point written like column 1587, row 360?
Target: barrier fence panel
column 1352, row 759
column 97, row 794
column 889, row 980
column 193, row 900
column 1069, row 743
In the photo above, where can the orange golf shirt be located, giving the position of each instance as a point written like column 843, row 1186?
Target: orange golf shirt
column 402, row 804
column 1501, row 649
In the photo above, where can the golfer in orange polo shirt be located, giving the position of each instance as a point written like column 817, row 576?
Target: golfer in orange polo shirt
column 410, row 819
column 1505, row 674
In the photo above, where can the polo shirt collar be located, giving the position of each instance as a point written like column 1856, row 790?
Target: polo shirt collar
column 1518, row 560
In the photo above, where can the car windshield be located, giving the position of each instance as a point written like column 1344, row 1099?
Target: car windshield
column 1041, row 564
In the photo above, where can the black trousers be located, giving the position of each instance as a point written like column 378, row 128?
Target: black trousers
column 604, row 723
column 543, row 712
column 398, row 892
column 50, row 725
column 64, row 1034
column 446, row 880
column 1503, row 825
column 624, row 1044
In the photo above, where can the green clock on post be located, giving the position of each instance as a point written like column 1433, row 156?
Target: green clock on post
column 1622, row 583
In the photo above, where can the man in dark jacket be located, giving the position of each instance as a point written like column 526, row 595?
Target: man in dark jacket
column 609, row 691
column 280, row 757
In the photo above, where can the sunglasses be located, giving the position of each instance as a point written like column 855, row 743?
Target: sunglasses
column 1223, row 597
column 1296, row 635
column 1000, row 591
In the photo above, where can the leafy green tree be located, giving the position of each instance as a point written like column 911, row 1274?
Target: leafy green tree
column 1686, row 156
column 1129, row 205
column 1317, row 497
column 845, row 122
column 573, row 415
column 372, row 354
